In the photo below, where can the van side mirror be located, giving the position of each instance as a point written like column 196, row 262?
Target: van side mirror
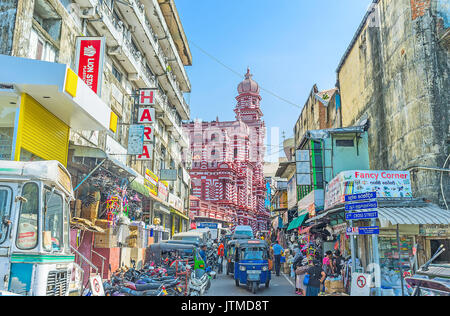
column 21, row 199
column 6, row 220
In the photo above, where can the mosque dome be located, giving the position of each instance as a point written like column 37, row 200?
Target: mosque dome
column 248, row 85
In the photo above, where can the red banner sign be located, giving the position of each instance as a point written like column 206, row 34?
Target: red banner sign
column 90, row 53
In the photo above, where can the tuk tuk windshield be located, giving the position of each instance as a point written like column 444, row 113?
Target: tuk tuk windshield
column 253, row 254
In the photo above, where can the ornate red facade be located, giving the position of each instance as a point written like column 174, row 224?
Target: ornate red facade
column 227, row 165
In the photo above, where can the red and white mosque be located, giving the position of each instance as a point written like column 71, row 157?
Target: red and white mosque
column 227, row 167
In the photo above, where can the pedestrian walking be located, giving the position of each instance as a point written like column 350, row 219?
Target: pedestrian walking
column 220, row 254
column 277, row 250
column 315, row 276
column 338, row 263
column 297, row 265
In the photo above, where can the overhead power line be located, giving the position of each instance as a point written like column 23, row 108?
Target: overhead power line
column 240, row 75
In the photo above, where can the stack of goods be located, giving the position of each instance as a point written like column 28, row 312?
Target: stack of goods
column 106, row 240
column 334, row 285
column 132, row 239
column 90, row 204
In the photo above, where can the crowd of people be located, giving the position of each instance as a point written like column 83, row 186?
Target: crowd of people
column 311, row 270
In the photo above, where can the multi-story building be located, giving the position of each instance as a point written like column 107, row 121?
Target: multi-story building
column 395, row 74
column 54, row 114
column 227, row 166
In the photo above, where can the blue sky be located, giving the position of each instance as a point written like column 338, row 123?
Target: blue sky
column 289, row 45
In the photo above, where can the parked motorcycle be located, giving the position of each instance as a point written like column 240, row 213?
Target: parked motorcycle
column 199, row 283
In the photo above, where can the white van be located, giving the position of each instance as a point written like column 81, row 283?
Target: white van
column 244, row 230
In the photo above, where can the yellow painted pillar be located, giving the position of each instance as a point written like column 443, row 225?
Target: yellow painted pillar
column 18, row 144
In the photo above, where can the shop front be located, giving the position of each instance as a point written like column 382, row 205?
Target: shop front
column 161, row 220
column 41, row 102
column 180, row 221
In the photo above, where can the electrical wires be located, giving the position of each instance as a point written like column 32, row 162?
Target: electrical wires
column 240, row 76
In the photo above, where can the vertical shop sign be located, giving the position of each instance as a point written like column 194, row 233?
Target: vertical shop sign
column 292, row 192
column 146, row 116
column 147, row 152
column 303, row 166
column 147, row 97
column 136, row 139
column 90, row 58
column 151, row 182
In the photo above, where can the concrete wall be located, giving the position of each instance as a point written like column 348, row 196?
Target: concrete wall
column 397, row 75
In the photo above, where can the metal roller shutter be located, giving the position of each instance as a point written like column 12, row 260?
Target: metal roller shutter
column 43, row 134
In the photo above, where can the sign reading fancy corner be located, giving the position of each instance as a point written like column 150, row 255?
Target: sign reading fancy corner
column 90, row 54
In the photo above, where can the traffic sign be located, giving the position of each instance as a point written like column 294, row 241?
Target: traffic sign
column 361, row 215
column 361, row 206
column 361, row 196
column 372, row 230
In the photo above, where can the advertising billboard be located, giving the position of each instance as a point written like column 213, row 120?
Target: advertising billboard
column 90, row 54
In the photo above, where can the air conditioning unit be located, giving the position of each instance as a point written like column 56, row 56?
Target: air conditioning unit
column 133, row 77
column 90, row 13
column 114, row 51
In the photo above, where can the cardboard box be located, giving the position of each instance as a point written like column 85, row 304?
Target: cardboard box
column 90, row 212
column 106, row 240
column 102, row 223
column 132, row 241
column 332, row 287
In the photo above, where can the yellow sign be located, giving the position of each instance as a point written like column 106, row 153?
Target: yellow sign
column 71, row 83
column 151, row 182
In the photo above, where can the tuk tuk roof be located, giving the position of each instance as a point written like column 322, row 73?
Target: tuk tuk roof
column 164, row 246
column 186, row 234
column 182, row 242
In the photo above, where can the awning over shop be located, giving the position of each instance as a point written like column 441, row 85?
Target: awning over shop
column 111, row 163
column 413, row 216
column 297, row 222
column 140, row 188
column 159, row 207
column 174, row 211
column 58, row 89
column 107, row 162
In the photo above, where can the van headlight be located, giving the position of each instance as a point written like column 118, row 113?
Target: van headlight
column 264, row 268
column 242, row 268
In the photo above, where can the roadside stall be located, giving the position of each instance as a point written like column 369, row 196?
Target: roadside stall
column 389, row 236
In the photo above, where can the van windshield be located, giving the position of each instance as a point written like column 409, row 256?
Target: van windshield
column 5, row 212
column 245, row 232
column 52, row 233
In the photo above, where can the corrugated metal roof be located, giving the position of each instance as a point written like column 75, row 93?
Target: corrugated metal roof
column 414, row 215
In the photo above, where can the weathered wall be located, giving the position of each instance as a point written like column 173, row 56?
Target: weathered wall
column 397, row 75
column 316, row 115
column 8, row 10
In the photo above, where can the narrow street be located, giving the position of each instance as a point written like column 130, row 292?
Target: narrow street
column 142, row 142
column 224, row 285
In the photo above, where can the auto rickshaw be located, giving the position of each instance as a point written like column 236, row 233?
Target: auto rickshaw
column 157, row 253
column 251, row 265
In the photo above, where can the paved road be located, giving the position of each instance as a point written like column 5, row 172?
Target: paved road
column 224, row 285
